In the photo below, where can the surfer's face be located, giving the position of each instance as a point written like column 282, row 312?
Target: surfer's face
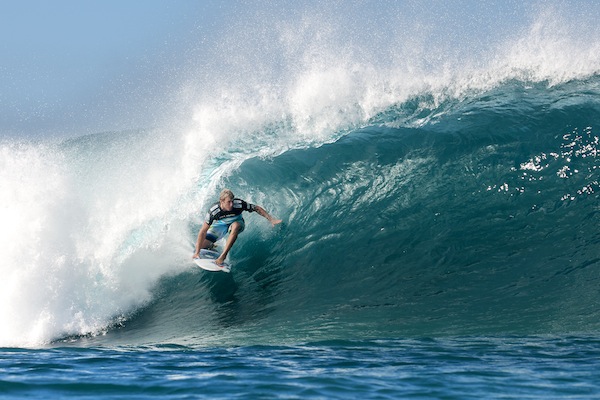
column 227, row 204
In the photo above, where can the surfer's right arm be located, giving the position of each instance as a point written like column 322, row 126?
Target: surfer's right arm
column 201, row 239
column 262, row 212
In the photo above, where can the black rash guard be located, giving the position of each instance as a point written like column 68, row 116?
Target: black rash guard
column 215, row 213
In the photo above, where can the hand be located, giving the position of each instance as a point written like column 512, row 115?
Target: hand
column 276, row 222
column 196, row 255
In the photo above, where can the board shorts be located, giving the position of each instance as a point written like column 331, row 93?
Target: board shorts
column 220, row 227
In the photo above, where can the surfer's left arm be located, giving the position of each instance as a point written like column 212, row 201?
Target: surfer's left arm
column 262, row 212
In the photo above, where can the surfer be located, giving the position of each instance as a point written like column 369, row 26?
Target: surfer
column 226, row 216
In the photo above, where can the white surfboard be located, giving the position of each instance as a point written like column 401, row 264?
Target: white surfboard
column 207, row 259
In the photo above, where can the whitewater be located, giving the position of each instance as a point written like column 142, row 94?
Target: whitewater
column 440, row 203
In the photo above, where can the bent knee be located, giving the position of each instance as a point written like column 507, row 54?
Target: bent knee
column 236, row 227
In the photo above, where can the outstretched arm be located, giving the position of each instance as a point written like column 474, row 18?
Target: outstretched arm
column 261, row 211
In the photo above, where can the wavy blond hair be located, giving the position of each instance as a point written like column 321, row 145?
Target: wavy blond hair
column 226, row 194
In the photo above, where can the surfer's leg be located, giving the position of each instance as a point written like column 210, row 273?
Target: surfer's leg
column 207, row 244
column 234, row 230
column 215, row 232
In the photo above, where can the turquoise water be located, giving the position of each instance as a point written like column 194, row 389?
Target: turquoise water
column 440, row 234
column 456, row 368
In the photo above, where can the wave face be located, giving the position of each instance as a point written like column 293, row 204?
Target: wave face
column 415, row 204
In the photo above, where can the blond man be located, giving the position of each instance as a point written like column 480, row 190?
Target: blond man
column 226, row 216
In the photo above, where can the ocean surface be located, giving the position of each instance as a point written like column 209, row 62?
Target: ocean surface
column 440, row 238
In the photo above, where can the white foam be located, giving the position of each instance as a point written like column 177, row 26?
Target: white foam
column 318, row 72
column 79, row 249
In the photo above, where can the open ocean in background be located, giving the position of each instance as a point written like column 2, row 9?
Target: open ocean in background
column 440, row 239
